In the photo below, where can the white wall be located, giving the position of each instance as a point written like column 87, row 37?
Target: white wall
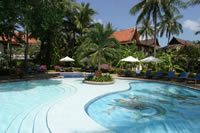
column 1, row 48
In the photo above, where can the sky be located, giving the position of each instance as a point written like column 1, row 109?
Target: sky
column 117, row 12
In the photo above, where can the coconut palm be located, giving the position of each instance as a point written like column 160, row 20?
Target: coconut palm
column 98, row 45
column 154, row 9
column 194, row 2
column 146, row 29
column 198, row 32
column 170, row 26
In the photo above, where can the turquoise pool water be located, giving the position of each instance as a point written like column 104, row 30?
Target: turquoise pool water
column 148, row 107
column 24, row 106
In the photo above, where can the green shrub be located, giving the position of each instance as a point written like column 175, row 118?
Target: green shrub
column 103, row 78
column 4, row 72
column 51, row 70
column 77, row 69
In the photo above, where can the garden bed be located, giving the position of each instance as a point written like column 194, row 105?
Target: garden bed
column 99, row 83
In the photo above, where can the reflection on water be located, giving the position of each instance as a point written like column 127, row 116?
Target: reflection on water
column 149, row 108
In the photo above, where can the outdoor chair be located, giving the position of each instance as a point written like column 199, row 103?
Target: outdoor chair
column 137, row 73
column 196, row 78
column 38, row 69
column 183, row 76
column 30, row 70
column 158, row 74
column 127, row 73
column 148, row 74
column 170, row 75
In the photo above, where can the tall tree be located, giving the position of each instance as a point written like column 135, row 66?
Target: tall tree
column 198, row 32
column 8, row 23
column 194, row 2
column 146, row 29
column 46, row 24
column 98, row 45
column 77, row 23
column 154, row 9
column 170, row 26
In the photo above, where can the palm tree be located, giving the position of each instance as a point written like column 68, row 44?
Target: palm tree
column 98, row 45
column 170, row 26
column 194, row 2
column 198, row 32
column 154, row 9
column 146, row 29
column 84, row 18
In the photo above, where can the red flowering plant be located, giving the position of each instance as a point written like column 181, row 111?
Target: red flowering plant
column 43, row 67
column 105, row 67
column 57, row 68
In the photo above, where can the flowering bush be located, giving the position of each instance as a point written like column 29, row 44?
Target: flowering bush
column 120, row 70
column 105, row 66
column 43, row 67
column 57, row 68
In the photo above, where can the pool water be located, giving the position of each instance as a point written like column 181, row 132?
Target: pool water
column 148, row 107
column 73, row 75
column 24, row 106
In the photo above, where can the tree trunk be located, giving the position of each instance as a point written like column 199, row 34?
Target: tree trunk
column 9, row 48
column 99, row 62
column 26, row 46
column 168, row 38
column 155, row 34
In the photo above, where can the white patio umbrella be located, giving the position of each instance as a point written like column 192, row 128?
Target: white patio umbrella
column 130, row 59
column 151, row 59
column 66, row 59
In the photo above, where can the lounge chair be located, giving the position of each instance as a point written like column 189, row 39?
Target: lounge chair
column 39, row 69
column 170, row 75
column 30, row 70
column 148, row 74
column 196, row 78
column 137, row 72
column 127, row 73
column 158, row 74
column 183, row 76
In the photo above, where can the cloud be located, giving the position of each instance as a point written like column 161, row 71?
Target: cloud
column 98, row 21
column 192, row 25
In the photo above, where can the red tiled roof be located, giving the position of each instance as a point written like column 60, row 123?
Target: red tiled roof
column 17, row 42
column 126, row 36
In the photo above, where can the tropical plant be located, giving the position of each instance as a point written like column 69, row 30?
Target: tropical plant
column 189, row 57
column 77, row 24
column 198, row 32
column 154, row 9
column 194, row 2
column 146, row 29
column 169, row 61
column 170, row 26
column 98, row 46
column 8, row 24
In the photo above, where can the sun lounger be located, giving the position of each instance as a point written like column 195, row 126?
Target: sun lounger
column 158, row 74
column 170, row 75
column 30, row 70
column 148, row 74
column 137, row 72
column 196, row 78
column 183, row 76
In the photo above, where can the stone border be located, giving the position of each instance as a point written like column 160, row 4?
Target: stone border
column 99, row 83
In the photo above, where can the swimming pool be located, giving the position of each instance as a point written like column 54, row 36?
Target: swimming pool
column 148, row 107
column 25, row 106
column 73, row 75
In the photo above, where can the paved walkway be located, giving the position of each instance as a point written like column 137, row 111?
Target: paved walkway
column 69, row 115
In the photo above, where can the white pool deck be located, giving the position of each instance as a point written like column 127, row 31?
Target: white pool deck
column 69, row 115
